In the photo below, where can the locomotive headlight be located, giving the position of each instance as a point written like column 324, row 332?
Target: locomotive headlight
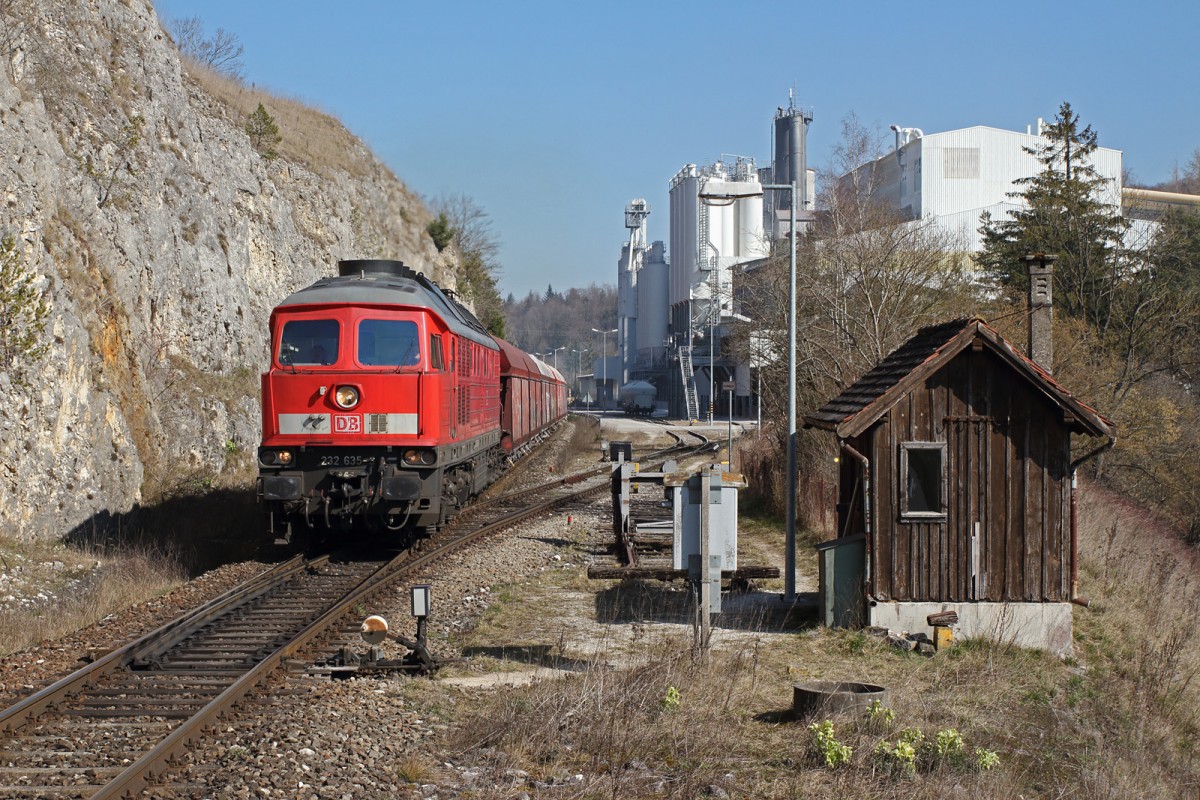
column 346, row 397
column 273, row 458
column 420, row 458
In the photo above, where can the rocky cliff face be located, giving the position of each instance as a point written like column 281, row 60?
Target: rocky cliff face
column 162, row 239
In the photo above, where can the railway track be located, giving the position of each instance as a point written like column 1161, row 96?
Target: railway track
column 113, row 728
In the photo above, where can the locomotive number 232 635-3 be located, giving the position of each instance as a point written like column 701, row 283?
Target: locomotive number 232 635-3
column 345, row 461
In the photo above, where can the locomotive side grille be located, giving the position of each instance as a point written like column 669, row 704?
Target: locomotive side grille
column 377, row 423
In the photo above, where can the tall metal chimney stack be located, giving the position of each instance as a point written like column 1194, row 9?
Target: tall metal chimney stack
column 1041, row 309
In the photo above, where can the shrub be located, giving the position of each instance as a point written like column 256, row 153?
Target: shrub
column 23, row 316
column 826, row 747
column 441, row 231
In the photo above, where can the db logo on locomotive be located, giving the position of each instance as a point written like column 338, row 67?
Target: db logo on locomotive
column 347, row 423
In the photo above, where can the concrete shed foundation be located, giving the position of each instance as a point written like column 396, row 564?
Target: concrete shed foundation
column 1045, row 626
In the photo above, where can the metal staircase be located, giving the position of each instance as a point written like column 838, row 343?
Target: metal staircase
column 689, row 383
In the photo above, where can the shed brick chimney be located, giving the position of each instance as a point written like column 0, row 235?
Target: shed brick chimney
column 1041, row 309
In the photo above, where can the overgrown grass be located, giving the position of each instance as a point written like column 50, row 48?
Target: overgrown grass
column 77, row 588
column 643, row 717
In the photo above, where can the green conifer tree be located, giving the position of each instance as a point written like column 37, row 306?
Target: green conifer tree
column 264, row 133
column 1065, row 215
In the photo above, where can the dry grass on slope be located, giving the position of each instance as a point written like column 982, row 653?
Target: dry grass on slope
column 48, row 591
column 310, row 137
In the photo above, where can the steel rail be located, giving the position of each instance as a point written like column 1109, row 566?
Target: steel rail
column 148, row 768
column 143, row 772
column 579, row 477
column 45, row 699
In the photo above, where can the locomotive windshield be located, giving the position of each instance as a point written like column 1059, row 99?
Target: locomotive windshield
column 309, row 341
column 388, row 343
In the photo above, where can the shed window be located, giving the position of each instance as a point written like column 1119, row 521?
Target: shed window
column 922, row 479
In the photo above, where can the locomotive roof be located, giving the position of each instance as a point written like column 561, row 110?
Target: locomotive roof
column 379, row 289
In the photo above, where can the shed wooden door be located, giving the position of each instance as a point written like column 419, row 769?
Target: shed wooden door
column 969, row 525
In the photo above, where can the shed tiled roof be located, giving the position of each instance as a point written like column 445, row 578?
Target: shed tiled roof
column 870, row 397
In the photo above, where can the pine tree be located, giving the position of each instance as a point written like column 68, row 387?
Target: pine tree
column 441, row 231
column 264, row 133
column 1065, row 216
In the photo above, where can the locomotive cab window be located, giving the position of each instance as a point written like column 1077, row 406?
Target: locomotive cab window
column 309, row 342
column 388, row 343
column 436, row 360
column 922, row 480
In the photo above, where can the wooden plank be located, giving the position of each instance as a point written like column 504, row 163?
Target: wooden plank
column 879, row 448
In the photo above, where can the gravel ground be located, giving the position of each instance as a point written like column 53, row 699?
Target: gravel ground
column 371, row 736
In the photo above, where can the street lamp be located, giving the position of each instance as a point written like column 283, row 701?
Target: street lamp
column 603, row 357
column 789, row 578
column 554, row 353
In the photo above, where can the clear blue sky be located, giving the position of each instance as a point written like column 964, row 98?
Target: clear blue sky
column 553, row 115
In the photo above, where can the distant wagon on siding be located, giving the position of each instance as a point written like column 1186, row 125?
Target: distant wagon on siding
column 955, row 490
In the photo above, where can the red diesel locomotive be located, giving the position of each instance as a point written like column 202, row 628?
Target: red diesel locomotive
column 387, row 402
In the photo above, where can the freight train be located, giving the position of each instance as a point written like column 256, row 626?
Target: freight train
column 387, row 405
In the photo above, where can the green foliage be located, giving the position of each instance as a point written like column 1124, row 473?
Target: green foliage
column 670, row 700
column 263, row 132
column 913, row 752
column 900, row 758
column 1127, row 312
column 949, row 746
column 23, row 316
column 826, row 747
column 1065, row 216
column 441, row 231
column 986, row 759
column 878, row 713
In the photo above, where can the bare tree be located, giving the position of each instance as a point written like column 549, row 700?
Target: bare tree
column 478, row 247
column 222, row 53
column 473, row 233
column 868, row 279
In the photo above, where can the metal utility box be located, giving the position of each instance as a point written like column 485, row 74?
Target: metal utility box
column 685, row 492
column 841, row 590
column 620, row 451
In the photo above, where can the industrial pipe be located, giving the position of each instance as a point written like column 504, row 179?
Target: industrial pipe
column 866, row 465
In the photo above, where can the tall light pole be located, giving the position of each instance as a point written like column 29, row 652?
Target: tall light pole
column 789, row 577
column 603, row 358
column 714, row 318
column 579, row 367
column 555, row 352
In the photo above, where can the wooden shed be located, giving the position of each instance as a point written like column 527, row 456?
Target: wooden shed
column 956, row 472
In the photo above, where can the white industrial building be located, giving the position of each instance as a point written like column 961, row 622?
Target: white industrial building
column 717, row 223
column 642, row 308
column 956, row 176
column 673, row 315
